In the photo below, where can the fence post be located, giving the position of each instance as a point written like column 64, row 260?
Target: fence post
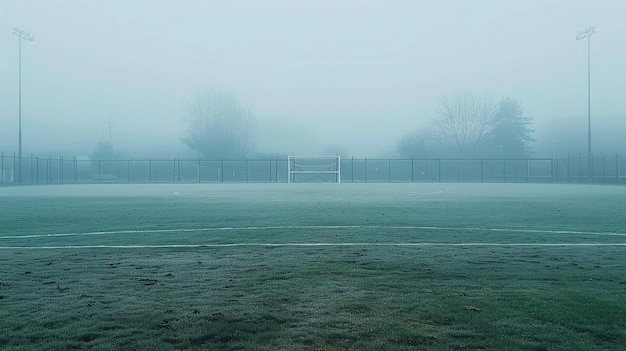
column 37, row 163
column 365, row 170
column 580, row 176
column 31, row 169
column 439, row 170
column 198, row 170
column 568, row 170
column 556, row 169
column 352, row 169
column 616, row 168
column 482, row 171
column 14, row 169
column 526, row 170
column 590, row 165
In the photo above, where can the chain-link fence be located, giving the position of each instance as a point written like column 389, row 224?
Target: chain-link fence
column 62, row 170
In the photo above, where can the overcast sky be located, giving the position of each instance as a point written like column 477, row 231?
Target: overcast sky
column 355, row 73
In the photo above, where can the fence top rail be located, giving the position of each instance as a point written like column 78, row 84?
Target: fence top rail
column 455, row 159
column 182, row 159
column 267, row 159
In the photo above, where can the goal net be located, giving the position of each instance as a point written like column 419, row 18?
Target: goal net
column 303, row 169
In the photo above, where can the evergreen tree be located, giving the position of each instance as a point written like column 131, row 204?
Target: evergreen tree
column 510, row 135
column 103, row 150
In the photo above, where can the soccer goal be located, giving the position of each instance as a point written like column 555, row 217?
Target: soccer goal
column 307, row 169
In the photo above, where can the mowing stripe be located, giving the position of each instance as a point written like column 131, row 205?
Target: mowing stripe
column 183, row 230
column 421, row 194
column 305, row 245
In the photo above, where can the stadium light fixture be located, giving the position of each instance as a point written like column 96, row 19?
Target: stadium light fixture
column 586, row 34
column 21, row 35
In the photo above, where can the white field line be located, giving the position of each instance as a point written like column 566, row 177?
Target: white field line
column 179, row 230
column 307, row 245
column 187, row 230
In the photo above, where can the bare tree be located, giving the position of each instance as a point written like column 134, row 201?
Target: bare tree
column 220, row 127
column 463, row 121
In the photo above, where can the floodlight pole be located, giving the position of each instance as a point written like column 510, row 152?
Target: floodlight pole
column 21, row 35
column 586, row 34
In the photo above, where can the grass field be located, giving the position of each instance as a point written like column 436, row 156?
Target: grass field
column 313, row 267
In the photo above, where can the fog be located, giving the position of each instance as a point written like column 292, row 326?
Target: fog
column 351, row 74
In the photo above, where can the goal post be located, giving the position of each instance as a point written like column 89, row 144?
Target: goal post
column 307, row 169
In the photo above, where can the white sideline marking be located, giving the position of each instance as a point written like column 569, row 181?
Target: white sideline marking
column 183, row 230
column 174, row 231
column 302, row 245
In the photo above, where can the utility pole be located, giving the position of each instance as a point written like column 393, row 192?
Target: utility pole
column 21, row 35
column 586, row 34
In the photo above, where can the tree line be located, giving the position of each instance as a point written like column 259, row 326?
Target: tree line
column 467, row 124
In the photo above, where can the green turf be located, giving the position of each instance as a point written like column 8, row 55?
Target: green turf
column 313, row 267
